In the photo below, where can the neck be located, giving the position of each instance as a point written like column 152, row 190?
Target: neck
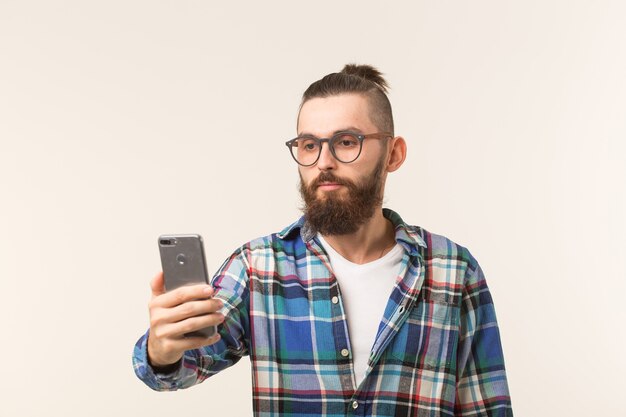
column 370, row 242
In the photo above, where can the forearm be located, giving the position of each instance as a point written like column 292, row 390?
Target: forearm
column 196, row 365
column 182, row 374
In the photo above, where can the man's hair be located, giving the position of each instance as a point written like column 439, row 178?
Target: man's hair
column 357, row 79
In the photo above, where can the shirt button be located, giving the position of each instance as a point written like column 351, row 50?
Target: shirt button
column 355, row 405
column 345, row 352
column 335, row 299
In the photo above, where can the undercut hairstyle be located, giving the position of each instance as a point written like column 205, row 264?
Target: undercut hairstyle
column 357, row 79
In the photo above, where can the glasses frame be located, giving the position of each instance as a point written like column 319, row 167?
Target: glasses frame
column 330, row 142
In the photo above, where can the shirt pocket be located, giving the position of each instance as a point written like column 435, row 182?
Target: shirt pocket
column 428, row 338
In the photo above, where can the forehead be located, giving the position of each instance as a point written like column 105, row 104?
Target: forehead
column 322, row 116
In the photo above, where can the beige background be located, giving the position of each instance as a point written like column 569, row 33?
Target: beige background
column 121, row 120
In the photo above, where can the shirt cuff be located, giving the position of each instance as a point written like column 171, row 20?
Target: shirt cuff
column 156, row 380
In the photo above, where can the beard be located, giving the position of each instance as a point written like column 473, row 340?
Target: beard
column 334, row 214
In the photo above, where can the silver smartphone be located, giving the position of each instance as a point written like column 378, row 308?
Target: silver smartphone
column 183, row 262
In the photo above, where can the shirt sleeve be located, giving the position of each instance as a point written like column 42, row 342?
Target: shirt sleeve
column 231, row 286
column 482, row 388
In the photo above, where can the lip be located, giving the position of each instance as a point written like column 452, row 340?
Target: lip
column 329, row 186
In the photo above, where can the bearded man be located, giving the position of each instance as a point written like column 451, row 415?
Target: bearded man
column 349, row 310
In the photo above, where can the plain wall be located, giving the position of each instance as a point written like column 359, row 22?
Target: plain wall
column 122, row 120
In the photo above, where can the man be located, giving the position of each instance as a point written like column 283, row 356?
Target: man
column 349, row 310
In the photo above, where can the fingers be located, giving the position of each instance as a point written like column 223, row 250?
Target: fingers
column 180, row 295
column 187, row 317
column 194, row 308
column 184, row 317
column 177, row 330
column 167, row 341
column 176, row 313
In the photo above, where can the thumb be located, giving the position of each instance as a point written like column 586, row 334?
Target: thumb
column 157, row 285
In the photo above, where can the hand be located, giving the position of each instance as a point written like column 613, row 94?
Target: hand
column 175, row 313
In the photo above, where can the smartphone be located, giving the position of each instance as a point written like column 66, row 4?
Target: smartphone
column 183, row 262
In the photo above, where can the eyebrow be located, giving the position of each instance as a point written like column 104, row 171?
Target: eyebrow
column 346, row 129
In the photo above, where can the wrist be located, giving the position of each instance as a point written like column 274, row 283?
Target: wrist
column 165, row 368
column 159, row 364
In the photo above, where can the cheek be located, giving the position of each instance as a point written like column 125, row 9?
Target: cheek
column 372, row 152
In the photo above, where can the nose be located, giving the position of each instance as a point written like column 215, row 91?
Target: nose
column 326, row 160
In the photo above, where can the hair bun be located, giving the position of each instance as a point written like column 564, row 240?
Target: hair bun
column 367, row 72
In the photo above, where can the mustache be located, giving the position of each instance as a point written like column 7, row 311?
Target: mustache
column 330, row 177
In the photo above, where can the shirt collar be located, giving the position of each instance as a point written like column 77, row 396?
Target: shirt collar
column 410, row 237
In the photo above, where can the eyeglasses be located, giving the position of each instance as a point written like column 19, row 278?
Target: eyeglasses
column 344, row 146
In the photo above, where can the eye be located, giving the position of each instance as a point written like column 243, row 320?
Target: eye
column 346, row 141
column 307, row 145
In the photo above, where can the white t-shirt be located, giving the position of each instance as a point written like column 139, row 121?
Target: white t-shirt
column 365, row 291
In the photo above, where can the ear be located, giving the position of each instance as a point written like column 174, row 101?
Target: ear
column 397, row 153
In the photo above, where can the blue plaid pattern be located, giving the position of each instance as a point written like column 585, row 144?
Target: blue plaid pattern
column 437, row 351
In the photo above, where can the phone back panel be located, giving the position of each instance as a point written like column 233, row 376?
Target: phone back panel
column 182, row 259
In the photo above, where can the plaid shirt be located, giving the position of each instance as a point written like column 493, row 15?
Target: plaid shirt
column 437, row 351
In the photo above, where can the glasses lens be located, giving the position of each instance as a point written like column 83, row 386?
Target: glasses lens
column 346, row 146
column 306, row 150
